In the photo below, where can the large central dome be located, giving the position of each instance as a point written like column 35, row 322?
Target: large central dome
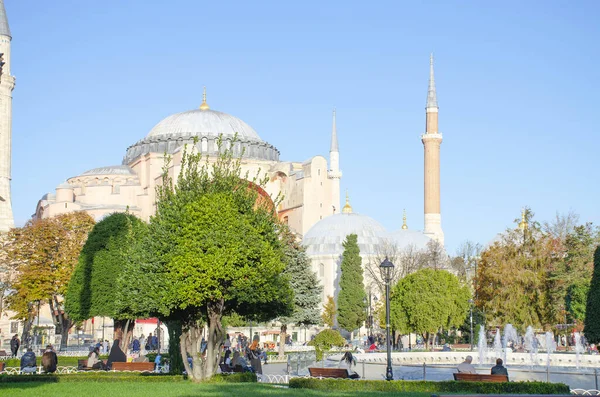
column 204, row 122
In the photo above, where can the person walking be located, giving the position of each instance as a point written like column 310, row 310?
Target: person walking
column 15, row 343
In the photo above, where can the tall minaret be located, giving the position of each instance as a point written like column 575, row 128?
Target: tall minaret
column 432, row 140
column 334, row 172
column 7, row 83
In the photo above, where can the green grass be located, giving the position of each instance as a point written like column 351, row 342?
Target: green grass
column 180, row 389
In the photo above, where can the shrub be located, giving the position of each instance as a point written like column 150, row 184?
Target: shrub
column 325, row 340
column 237, row 377
column 93, row 377
column 430, row 387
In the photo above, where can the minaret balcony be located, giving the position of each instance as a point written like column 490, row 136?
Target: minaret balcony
column 334, row 174
column 427, row 137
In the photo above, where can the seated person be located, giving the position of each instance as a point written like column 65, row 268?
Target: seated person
column 466, row 367
column 140, row 358
column 346, row 362
column 499, row 369
column 49, row 360
column 116, row 355
column 239, row 361
column 446, row 348
column 93, row 360
column 28, row 362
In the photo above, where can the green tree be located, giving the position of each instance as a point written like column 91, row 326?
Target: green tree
column 214, row 245
column 42, row 255
column 92, row 289
column 512, row 277
column 350, row 301
column 592, row 323
column 329, row 312
column 325, row 340
column 305, row 286
column 428, row 300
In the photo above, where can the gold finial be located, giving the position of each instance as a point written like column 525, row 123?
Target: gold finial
column 347, row 208
column 404, row 227
column 523, row 224
column 204, row 105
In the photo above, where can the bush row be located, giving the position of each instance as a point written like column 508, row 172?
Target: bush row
column 430, row 387
column 93, row 377
column 237, row 377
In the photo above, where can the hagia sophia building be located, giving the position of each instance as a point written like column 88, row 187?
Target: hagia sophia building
column 311, row 204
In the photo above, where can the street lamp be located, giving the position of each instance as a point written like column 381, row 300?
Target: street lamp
column 386, row 268
column 471, row 317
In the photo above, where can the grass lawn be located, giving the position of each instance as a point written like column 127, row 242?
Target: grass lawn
column 179, row 389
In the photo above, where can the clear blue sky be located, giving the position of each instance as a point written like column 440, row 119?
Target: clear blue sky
column 517, row 86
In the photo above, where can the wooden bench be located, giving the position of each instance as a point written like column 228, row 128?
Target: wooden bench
column 480, row 377
column 142, row 367
column 338, row 373
column 2, row 365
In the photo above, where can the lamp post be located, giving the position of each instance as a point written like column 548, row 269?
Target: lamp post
column 386, row 268
column 471, row 317
column 367, row 313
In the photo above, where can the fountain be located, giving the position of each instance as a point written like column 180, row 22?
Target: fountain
column 550, row 345
column 578, row 348
column 531, row 344
column 498, row 343
column 510, row 335
column 482, row 344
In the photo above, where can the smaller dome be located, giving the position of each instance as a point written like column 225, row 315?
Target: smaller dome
column 110, row 170
column 404, row 238
column 64, row 185
column 327, row 235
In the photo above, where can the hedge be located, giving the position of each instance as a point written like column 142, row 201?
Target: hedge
column 430, row 387
column 93, row 377
column 236, row 377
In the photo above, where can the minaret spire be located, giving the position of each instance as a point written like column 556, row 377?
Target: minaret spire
column 431, row 94
column 432, row 141
column 204, row 105
column 404, row 225
column 334, row 173
column 7, row 84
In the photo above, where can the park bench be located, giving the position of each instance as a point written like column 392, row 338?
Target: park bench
column 339, row 373
column 480, row 377
column 2, row 365
column 142, row 367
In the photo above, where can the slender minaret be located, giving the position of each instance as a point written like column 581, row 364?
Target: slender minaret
column 7, row 83
column 432, row 140
column 334, row 172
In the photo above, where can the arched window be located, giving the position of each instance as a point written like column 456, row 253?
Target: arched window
column 321, row 270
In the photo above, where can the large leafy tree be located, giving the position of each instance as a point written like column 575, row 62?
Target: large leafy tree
column 305, row 285
column 512, row 277
column 350, row 301
column 213, row 248
column 43, row 254
column 592, row 322
column 428, row 300
column 92, row 289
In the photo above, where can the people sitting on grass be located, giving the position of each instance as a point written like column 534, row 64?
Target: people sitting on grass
column 347, row 362
column 49, row 360
column 499, row 369
column 94, row 361
column 466, row 367
column 116, row 355
column 28, row 362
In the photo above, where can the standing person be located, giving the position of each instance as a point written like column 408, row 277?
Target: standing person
column 499, row 369
column 466, row 367
column 135, row 345
column 116, row 355
column 15, row 343
column 49, row 360
column 149, row 342
column 253, row 354
column 105, row 346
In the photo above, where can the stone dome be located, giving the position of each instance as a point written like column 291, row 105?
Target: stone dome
column 203, row 122
column 404, row 238
column 327, row 235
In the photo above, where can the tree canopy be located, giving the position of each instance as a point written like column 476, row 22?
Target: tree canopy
column 592, row 323
column 350, row 302
column 428, row 300
column 43, row 254
column 214, row 246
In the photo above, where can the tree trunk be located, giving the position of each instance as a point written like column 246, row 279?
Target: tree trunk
column 190, row 345
column 123, row 330
column 214, row 338
column 176, row 366
column 62, row 322
column 26, row 336
column 282, row 338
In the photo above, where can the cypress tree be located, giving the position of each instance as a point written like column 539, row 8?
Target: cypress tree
column 592, row 320
column 350, row 305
